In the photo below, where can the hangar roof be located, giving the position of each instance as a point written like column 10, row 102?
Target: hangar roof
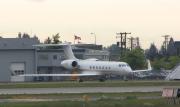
column 17, row 43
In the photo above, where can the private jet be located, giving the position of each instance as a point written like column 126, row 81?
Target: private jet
column 88, row 67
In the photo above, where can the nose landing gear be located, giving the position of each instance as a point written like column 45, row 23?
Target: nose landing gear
column 103, row 78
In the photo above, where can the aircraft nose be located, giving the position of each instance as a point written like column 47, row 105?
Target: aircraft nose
column 129, row 69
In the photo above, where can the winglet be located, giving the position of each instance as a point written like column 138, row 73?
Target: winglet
column 149, row 68
column 149, row 65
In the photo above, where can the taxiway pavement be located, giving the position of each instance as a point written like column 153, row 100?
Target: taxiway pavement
column 83, row 90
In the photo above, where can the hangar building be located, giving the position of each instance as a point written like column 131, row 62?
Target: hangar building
column 17, row 56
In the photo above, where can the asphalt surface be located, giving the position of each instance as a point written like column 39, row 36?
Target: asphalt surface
column 83, row 90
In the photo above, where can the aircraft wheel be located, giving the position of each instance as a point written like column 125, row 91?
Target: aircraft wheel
column 80, row 80
column 101, row 79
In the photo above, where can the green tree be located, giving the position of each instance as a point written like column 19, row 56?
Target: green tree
column 152, row 52
column 162, row 52
column 166, row 62
column 158, row 63
column 135, row 58
column 25, row 35
column 173, row 61
column 171, row 49
column 56, row 38
column 48, row 41
column 19, row 35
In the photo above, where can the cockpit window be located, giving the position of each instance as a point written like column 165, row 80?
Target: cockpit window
column 122, row 65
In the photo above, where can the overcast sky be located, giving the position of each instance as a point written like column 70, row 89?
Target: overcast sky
column 148, row 19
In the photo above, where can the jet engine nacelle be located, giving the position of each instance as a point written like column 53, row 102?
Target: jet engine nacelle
column 69, row 64
column 74, row 64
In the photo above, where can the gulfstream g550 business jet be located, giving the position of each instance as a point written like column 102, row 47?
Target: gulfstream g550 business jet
column 89, row 67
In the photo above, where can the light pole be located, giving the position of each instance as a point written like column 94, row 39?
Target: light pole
column 94, row 37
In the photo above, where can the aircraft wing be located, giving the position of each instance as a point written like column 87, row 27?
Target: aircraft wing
column 141, row 70
column 149, row 68
column 86, row 73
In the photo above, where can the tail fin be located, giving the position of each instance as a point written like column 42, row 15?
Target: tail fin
column 66, row 47
column 68, row 52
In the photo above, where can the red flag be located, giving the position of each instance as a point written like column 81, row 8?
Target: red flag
column 77, row 37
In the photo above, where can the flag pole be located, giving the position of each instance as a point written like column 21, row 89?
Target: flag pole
column 94, row 37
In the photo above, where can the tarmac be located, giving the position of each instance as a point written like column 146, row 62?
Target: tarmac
column 83, row 90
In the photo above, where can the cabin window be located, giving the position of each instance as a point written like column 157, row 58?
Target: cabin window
column 109, row 68
column 103, row 67
column 96, row 67
column 90, row 67
column 99, row 67
column 55, row 57
column 93, row 67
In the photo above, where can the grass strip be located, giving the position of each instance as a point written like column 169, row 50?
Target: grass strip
column 89, row 84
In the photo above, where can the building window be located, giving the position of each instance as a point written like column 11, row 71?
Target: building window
column 79, row 56
column 17, row 69
column 43, row 57
column 38, row 69
column 55, row 57
column 96, row 67
column 50, row 68
column 60, row 57
column 17, row 72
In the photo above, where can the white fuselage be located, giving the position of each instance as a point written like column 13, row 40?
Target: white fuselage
column 102, row 67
